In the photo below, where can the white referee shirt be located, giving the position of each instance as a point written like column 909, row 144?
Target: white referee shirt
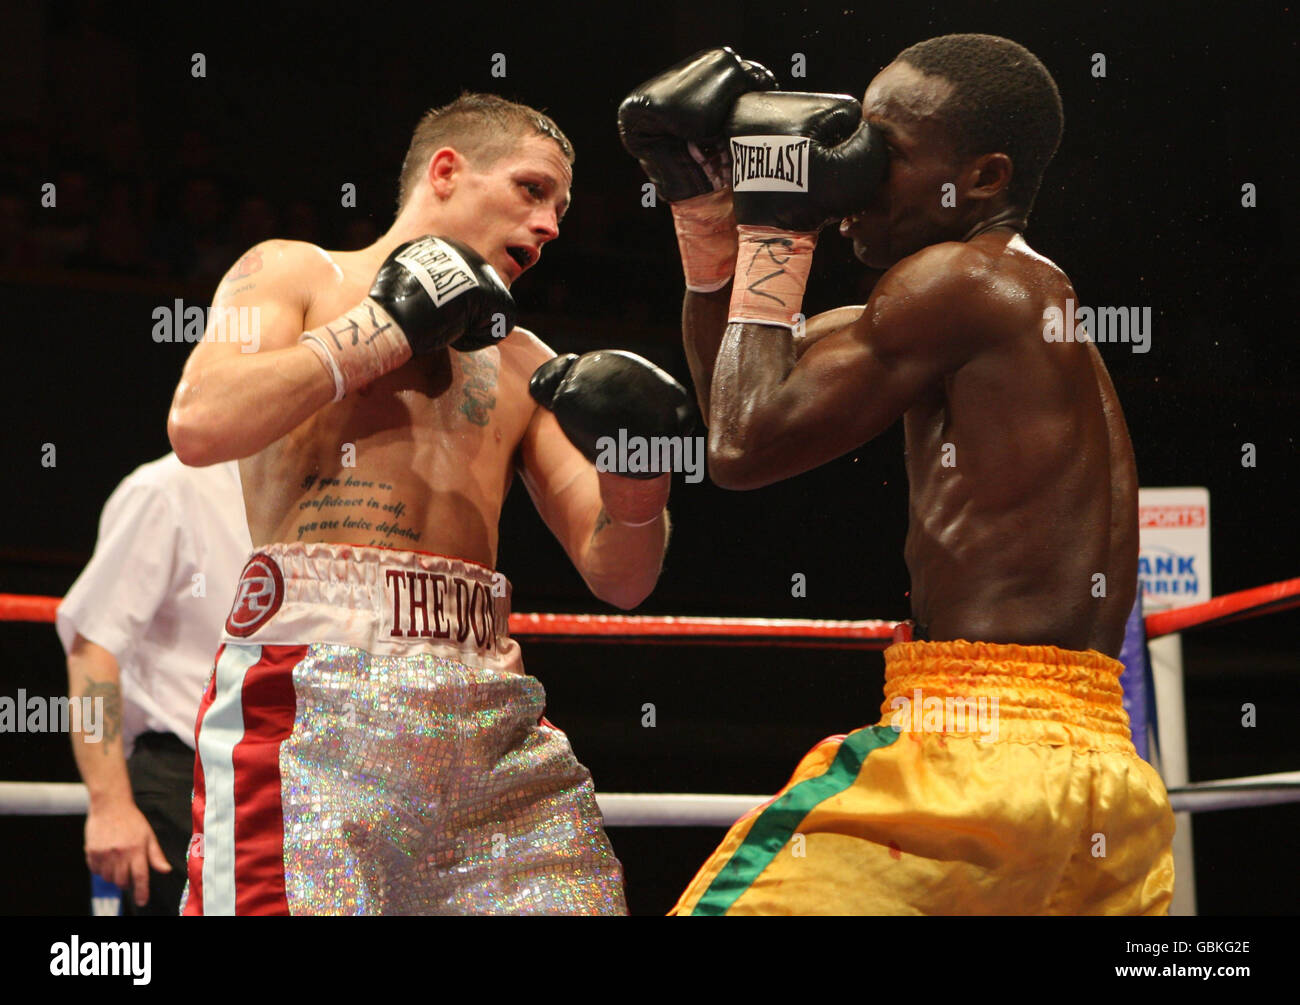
column 172, row 543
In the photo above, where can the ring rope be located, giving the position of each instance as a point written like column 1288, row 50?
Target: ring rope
column 697, row 809
column 628, row 809
column 869, row 634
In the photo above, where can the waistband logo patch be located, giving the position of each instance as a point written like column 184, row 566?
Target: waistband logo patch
column 258, row 597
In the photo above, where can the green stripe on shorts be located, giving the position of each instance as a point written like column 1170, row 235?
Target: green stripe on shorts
column 777, row 824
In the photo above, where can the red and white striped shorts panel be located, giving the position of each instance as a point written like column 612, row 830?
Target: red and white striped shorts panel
column 236, row 860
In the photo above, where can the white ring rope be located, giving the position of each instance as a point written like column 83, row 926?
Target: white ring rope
column 695, row 809
column 653, row 809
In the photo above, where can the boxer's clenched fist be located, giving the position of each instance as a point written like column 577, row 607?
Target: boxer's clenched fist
column 675, row 125
column 600, row 393
column 801, row 160
column 674, row 122
column 443, row 293
column 616, row 396
column 430, row 293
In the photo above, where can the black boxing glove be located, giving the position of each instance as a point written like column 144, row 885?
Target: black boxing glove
column 444, row 293
column 430, row 293
column 599, row 394
column 798, row 161
column 674, row 124
column 605, row 400
column 801, row 160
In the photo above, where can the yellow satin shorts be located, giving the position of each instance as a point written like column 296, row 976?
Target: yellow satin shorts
column 1001, row 779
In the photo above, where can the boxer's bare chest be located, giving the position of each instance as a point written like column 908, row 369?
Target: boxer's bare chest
column 466, row 404
column 420, row 459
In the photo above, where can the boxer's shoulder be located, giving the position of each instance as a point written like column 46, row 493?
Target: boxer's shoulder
column 282, row 270
column 923, row 290
column 989, row 288
column 523, row 351
column 946, row 268
column 281, row 255
column 525, row 339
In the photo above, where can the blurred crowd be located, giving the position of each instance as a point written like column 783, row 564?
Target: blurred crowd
column 161, row 177
column 185, row 222
column 140, row 188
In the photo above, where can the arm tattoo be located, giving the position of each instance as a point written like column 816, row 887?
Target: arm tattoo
column 603, row 520
column 112, row 695
column 245, row 267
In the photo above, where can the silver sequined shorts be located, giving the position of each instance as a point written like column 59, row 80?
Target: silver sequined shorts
column 369, row 744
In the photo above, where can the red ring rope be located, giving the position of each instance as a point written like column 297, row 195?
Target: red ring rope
column 874, row 634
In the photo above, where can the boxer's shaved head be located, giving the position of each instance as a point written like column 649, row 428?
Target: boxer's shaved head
column 482, row 128
column 1003, row 101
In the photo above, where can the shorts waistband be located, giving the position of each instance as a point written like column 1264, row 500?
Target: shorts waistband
column 377, row 599
column 1034, row 693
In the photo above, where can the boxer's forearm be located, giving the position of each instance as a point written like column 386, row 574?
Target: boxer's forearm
column 231, row 404
column 746, row 418
column 93, row 674
column 704, row 319
column 621, row 564
column 236, row 406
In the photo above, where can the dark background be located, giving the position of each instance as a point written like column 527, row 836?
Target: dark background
column 164, row 180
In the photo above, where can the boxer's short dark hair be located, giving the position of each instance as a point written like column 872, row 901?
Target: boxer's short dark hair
column 1003, row 101
column 482, row 128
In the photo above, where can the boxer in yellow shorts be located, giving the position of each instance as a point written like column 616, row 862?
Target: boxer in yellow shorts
column 1022, row 483
column 999, row 780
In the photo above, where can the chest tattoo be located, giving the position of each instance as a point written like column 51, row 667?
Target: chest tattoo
column 479, row 395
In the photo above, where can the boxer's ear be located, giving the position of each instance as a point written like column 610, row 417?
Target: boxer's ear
column 988, row 175
column 444, row 166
